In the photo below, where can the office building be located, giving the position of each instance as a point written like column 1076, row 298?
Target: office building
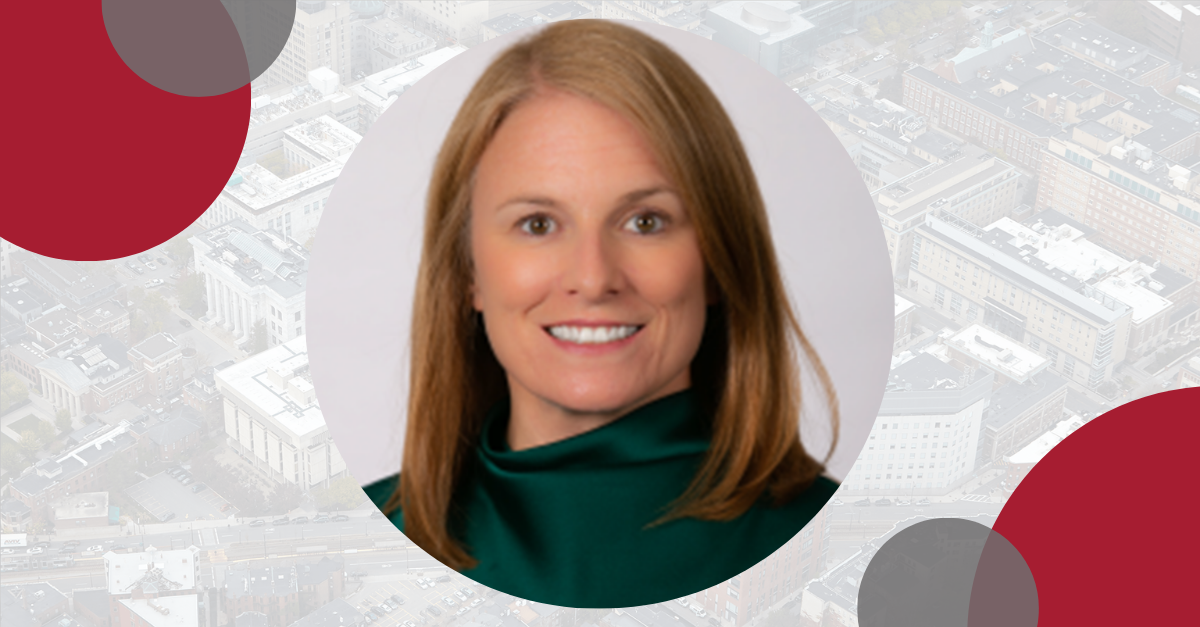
column 1173, row 27
column 925, row 439
column 285, row 190
column 272, row 418
column 378, row 91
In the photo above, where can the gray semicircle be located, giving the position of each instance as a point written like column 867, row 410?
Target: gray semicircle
column 947, row 572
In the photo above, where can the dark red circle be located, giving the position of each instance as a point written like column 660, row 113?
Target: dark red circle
column 1107, row 520
column 104, row 165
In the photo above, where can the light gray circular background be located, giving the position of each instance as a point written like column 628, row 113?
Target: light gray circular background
column 364, row 261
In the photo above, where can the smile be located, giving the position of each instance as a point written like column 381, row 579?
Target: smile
column 593, row 335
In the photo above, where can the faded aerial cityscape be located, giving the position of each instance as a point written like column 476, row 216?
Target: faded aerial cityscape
column 1034, row 166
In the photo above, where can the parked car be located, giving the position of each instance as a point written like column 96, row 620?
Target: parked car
column 397, row 599
column 321, row 519
column 9, row 551
column 883, row 502
column 476, row 602
column 65, row 549
column 449, row 602
column 35, row 550
column 878, row 57
column 161, row 261
column 698, row 611
column 257, row 523
column 384, row 607
column 863, row 503
column 198, row 487
column 279, row 522
column 186, row 480
column 434, row 610
column 443, row 579
column 185, row 322
column 95, row 547
column 226, row 507
column 340, row 518
column 117, row 547
column 461, row 611
column 421, row 582
column 467, row 591
column 712, row 620
column 139, row 270
column 300, row 520
column 377, row 515
column 169, row 516
column 409, row 623
column 150, row 264
column 460, row 595
column 368, row 619
column 72, row 543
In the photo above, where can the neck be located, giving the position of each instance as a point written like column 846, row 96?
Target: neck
column 537, row 421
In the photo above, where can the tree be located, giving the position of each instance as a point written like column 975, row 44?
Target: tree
column 63, row 420
column 191, row 292
column 157, row 309
column 258, row 338
column 180, row 249
column 13, row 392
column 45, row 432
column 285, row 497
column 30, row 442
column 12, row 460
column 343, row 493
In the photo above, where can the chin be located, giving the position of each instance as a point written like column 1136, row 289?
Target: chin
column 596, row 397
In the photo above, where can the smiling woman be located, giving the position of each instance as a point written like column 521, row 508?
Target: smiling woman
column 605, row 378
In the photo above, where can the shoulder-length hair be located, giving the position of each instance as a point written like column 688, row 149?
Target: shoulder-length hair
column 747, row 367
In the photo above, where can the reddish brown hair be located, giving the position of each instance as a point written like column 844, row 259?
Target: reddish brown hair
column 748, row 366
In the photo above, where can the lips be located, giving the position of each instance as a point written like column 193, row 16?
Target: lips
column 592, row 333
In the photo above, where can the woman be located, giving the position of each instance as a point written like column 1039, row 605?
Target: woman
column 605, row 386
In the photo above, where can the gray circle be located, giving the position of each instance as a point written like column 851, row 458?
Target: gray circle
column 947, row 572
column 198, row 48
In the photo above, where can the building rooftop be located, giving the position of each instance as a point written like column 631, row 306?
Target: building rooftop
column 277, row 383
column 251, row 619
column 96, row 601
column 998, row 353
column 324, row 141
column 903, row 305
column 1033, row 452
column 256, row 257
column 1013, row 399
column 1136, row 287
column 770, row 21
column 336, row 613
column 381, row 89
column 314, row 573
column 103, row 314
column 1050, row 261
column 169, row 611
column 273, row 581
column 153, row 570
column 155, row 347
column 82, row 505
column 24, row 297
column 925, row 384
column 67, row 281
column 171, row 431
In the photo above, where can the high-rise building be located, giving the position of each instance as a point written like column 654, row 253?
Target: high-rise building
column 322, row 36
column 1171, row 26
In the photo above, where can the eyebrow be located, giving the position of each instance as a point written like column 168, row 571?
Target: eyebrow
column 626, row 200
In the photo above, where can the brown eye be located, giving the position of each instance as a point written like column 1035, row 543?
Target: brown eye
column 646, row 223
column 537, row 225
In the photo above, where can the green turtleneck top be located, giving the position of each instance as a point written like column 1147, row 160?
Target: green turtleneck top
column 566, row 523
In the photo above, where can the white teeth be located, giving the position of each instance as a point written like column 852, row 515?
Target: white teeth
column 592, row 335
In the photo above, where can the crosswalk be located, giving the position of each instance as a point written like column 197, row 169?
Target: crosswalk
column 850, row 79
column 976, row 498
column 217, row 556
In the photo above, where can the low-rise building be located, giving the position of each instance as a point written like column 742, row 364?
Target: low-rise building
column 335, row 613
column 273, row 591
column 84, row 509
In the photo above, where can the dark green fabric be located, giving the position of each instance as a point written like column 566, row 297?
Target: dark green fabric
column 565, row 523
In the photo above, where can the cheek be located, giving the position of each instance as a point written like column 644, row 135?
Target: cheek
column 508, row 279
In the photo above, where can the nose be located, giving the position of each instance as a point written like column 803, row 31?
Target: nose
column 592, row 266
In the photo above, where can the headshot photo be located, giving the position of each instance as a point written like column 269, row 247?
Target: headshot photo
column 604, row 389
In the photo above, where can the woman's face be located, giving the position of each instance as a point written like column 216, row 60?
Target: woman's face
column 587, row 268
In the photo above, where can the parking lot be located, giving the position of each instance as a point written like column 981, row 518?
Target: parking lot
column 417, row 599
column 163, row 494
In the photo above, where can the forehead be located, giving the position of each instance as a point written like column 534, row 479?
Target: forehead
column 560, row 138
